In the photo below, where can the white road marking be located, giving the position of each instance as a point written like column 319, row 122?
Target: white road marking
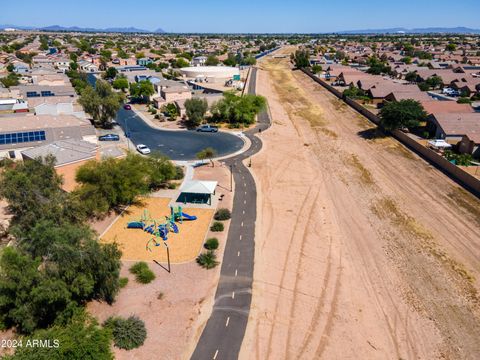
column 245, row 184
column 242, row 223
column 244, row 212
column 236, row 272
column 244, row 201
column 238, row 254
column 245, row 193
column 215, row 356
column 241, row 237
column 228, row 320
column 233, row 294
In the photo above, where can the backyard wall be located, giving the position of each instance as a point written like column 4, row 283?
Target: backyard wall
column 470, row 182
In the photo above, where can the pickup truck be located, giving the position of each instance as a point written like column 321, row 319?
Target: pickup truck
column 207, row 128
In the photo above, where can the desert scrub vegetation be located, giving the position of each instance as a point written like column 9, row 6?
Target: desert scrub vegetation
column 127, row 333
column 142, row 272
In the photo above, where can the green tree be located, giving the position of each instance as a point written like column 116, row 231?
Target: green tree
column 451, row 47
column 248, row 61
column 110, row 73
column 301, row 59
column 378, row 66
column 11, row 79
column 102, row 103
column 316, row 69
column 230, row 60
column 434, row 82
column 402, row 114
column 354, row 92
column 120, row 83
column 196, row 109
column 180, row 63
column 114, row 183
column 33, row 192
column 81, row 338
column 207, row 153
column 212, row 60
column 171, row 110
column 142, row 89
column 411, row 76
column 238, row 109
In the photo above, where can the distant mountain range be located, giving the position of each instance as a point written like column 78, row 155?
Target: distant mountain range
column 82, row 29
column 400, row 30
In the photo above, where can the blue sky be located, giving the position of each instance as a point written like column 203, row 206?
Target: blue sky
column 243, row 16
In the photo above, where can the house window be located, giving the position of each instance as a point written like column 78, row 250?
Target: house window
column 22, row 137
column 47, row 93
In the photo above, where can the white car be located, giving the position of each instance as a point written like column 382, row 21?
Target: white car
column 143, row 149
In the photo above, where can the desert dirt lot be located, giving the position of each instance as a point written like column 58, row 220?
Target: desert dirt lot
column 363, row 250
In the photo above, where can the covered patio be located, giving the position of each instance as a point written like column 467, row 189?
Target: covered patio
column 197, row 192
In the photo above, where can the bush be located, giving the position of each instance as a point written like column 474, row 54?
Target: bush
column 217, row 226
column 211, row 244
column 123, row 282
column 178, row 173
column 464, row 100
column 207, row 260
column 222, row 214
column 127, row 333
column 142, row 272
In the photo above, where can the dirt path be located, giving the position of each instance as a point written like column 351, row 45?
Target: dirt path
column 363, row 250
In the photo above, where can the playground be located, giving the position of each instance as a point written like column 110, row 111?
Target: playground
column 144, row 231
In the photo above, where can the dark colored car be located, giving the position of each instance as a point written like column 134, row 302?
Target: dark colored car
column 109, row 137
column 207, row 128
column 127, row 107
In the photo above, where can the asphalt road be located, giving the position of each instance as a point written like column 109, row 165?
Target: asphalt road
column 177, row 145
column 225, row 329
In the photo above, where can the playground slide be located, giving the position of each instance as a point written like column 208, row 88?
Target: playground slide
column 135, row 225
column 188, row 217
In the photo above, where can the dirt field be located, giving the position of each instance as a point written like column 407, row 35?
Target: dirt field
column 363, row 250
column 184, row 246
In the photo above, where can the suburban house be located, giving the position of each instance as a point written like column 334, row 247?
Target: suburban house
column 453, row 126
column 169, row 91
column 20, row 132
column 87, row 66
column 31, row 91
column 199, row 61
column 470, row 144
column 144, row 61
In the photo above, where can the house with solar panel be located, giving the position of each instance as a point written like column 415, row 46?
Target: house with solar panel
column 22, row 132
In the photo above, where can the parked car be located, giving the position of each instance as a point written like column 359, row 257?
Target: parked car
column 127, row 107
column 143, row 149
column 450, row 92
column 207, row 128
column 109, row 137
